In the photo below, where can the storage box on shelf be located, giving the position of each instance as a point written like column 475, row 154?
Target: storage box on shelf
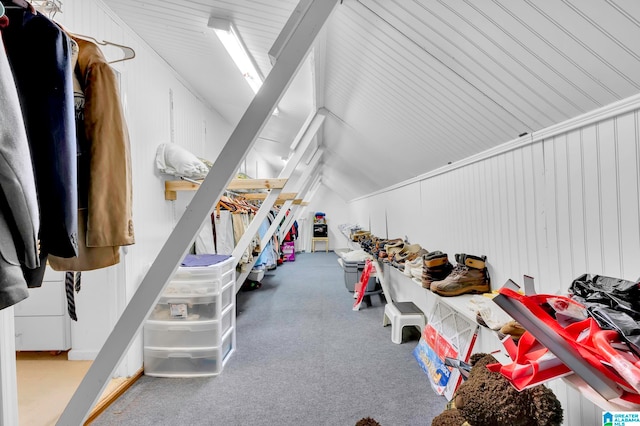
column 191, row 331
column 320, row 230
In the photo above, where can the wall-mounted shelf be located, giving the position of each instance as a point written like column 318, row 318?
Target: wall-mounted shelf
column 296, row 201
column 171, row 187
column 283, row 196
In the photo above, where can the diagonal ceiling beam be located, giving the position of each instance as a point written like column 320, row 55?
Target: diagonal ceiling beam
column 312, row 172
column 305, row 136
column 164, row 266
column 264, row 241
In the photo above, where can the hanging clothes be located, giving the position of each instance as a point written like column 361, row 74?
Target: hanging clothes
column 19, row 216
column 240, row 223
column 104, row 165
column 39, row 55
column 225, row 242
column 266, row 257
column 204, row 243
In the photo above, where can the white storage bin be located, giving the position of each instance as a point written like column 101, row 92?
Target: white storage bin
column 204, row 273
column 188, row 362
column 199, row 334
column 197, row 285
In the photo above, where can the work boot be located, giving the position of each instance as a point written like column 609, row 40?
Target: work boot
column 435, row 267
column 469, row 276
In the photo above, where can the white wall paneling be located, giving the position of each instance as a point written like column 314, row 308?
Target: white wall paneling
column 378, row 215
column 554, row 205
column 404, row 206
column 330, row 203
column 359, row 213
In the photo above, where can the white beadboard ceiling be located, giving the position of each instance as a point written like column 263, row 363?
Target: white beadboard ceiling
column 409, row 85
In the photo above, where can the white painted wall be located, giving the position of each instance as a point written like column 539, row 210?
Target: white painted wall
column 337, row 212
column 553, row 205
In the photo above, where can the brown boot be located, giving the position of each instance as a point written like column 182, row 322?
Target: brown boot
column 469, row 276
column 435, row 267
column 512, row 329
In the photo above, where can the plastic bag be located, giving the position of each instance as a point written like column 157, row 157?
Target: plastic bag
column 614, row 303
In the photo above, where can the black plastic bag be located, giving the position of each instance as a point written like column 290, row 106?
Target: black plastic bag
column 616, row 293
column 614, row 304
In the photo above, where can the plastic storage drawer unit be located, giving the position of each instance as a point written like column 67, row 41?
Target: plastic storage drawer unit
column 188, row 362
column 197, row 284
column 197, row 334
column 204, row 273
column 194, row 300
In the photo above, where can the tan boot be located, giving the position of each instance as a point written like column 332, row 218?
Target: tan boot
column 435, row 267
column 469, row 276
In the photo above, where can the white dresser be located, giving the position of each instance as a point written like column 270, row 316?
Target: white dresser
column 42, row 323
column 191, row 331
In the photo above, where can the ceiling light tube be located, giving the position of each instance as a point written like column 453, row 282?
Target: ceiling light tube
column 230, row 39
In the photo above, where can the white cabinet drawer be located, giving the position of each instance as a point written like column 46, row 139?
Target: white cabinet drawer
column 48, row 300
column 43, row 333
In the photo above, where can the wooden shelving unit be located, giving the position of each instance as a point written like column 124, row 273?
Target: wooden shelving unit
column 283, row 196
column 171, row 187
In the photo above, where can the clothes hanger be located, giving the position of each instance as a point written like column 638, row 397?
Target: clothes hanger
column 48, row 7
column 129, row 53
column 17, row 4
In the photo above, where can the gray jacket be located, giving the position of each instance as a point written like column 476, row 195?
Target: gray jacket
column 19, row 220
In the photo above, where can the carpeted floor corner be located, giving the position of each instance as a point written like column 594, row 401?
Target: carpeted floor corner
column 303, row 357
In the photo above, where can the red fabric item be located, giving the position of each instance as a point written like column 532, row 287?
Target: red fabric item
column 362, row 285
column 4, row 21
column 585, row 330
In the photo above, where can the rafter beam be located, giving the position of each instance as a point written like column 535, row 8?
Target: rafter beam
column 185, row 231
column 303, row 182
column 305, row 136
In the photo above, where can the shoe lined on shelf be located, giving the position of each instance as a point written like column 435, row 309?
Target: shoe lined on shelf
column 470, row 275
column 435, row 267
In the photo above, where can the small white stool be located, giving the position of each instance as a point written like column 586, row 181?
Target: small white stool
column 401, row 314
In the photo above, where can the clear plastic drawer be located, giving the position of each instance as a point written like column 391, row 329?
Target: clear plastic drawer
column 188, row 362
column 200, row 334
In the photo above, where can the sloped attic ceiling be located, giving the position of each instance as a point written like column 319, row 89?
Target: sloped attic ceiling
column 412, row 85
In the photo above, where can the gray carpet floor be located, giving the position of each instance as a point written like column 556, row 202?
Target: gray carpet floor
column 303, row 357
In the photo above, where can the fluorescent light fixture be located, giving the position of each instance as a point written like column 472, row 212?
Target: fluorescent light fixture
column 228, row 35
